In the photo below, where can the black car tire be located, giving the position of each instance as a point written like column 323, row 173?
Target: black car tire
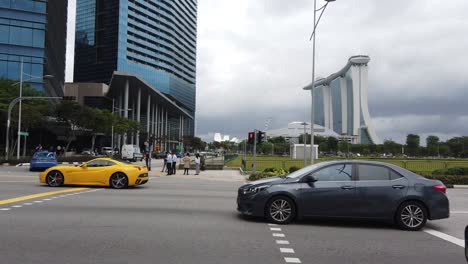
column 118, row 180
column 411, row 216
column 280, row 210
column 55, row 179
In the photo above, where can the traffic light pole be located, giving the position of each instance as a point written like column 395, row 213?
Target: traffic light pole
column 254, row 161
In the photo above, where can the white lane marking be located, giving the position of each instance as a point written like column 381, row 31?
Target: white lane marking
column 278, row 235
column 5, row 209
column 459, row 212
column 292, row 260
column 449, row 238
column 27, row 204
column 282, row 242
column 275, row 229
column 37, row 202
column 287, row 250
column 17, row 206
column 46, row 199
column 55, row 197
column 272, row 224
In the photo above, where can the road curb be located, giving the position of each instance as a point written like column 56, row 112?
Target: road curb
column 460, row 186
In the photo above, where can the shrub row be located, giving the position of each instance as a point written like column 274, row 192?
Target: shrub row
column 270, row 172
column 451, row 171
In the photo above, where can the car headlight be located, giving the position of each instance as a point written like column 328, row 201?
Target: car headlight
column 257, row 189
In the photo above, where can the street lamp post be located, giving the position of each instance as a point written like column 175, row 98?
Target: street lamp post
column 20, row 97
column 312, row 110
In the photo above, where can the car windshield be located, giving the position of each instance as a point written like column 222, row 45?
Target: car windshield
column 303, row 171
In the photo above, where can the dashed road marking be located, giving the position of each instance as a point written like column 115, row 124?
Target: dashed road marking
column 37, row 201
column 275, row 229
column 292, row 260
column 282, row 242
column 278, row 235
column 272, row 224
column 17, row 206
column 287, row 250
column 5, row 209
column 27, row 204
column 449, row 238
column 39, row 195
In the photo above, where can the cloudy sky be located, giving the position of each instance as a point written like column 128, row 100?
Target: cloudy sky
column 254, row 57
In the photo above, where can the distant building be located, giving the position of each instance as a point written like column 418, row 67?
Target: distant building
column 340, row 102
column 34, row 33
column 294, row 130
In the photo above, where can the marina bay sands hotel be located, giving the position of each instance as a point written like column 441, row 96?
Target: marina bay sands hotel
column 340, row 102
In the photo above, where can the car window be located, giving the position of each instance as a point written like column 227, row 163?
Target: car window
column 94, row 163
column 394, row 175
column 110, row 163
column 340, row 172
column 373, row 173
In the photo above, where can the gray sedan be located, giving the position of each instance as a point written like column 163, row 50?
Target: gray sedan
column 347, row 189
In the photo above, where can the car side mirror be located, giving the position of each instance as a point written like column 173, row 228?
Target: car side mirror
column 84, row 166
column 310, row 179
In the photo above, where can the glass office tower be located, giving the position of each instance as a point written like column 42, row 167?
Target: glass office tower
column 34, row 31
column 152, row 39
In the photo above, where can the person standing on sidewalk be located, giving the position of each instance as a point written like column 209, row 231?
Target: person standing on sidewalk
column 197, row 164
column 186, row 161
column 169, row 163
column 165, row 163
column 148, row 160
column 174, row 162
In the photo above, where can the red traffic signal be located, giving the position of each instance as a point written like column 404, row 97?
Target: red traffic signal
column 251, row 138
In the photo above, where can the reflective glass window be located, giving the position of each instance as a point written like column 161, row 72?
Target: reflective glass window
column 21, row 36
column 38, row 38
column 4, row 33
column 40, row 7
column 22, row 4
column 373, row 173
column 13, row 70
column 341, row 172
column 3, row 69
column 4, row 3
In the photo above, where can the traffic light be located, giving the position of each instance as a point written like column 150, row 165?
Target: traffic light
column 251, row 138
column 261, row 136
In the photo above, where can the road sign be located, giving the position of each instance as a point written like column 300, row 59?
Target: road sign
column 22, row 133
column 178, row 147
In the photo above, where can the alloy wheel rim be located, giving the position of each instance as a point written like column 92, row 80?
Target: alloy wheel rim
column 118, row 181
column 412, row 216
column 55, row 179
column 280, row 210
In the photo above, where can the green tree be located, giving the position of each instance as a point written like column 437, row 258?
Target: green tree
column 412, row 144
column 96, row 122
column 332, row 144
column 68, row 113
column 432, row 144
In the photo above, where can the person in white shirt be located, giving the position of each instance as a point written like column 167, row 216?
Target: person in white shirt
column 174, row 162
column 169, row 163
column 197, row 164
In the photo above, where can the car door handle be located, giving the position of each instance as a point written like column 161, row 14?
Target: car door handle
column 398, row 186
column 347, row 187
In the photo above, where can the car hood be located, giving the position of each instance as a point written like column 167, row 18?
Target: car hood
column 270, row 181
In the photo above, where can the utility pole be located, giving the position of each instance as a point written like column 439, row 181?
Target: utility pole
column 254, row 161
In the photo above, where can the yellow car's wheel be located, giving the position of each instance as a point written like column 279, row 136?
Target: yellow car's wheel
column 118, row 180
column 54, row 179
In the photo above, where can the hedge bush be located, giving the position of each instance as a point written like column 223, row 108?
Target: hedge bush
column 266, row 173
column 452, row 171
column 293, row 169
column 450, row 179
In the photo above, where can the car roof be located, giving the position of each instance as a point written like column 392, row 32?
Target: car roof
column 370, row 162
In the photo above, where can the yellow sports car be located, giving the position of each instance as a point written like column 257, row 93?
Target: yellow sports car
column 101, row 172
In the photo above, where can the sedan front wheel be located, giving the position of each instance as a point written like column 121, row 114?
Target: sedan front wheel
column 280, row 210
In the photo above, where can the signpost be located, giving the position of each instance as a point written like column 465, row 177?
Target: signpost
column 22, row 133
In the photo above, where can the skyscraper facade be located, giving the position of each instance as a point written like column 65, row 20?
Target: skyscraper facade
column 33, row 32
column 340, row 102
column 154, row 40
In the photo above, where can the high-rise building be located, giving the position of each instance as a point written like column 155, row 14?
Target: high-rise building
column 34, row 32
column 340, row 102
column 152, row 40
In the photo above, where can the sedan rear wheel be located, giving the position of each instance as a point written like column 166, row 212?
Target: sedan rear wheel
column 411, row 216
column 280, row 210
column 54, row 179
column 118, row 181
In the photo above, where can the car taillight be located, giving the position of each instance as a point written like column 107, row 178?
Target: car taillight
column 440, row 188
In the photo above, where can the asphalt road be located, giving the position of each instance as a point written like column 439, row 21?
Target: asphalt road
column 184, row 220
